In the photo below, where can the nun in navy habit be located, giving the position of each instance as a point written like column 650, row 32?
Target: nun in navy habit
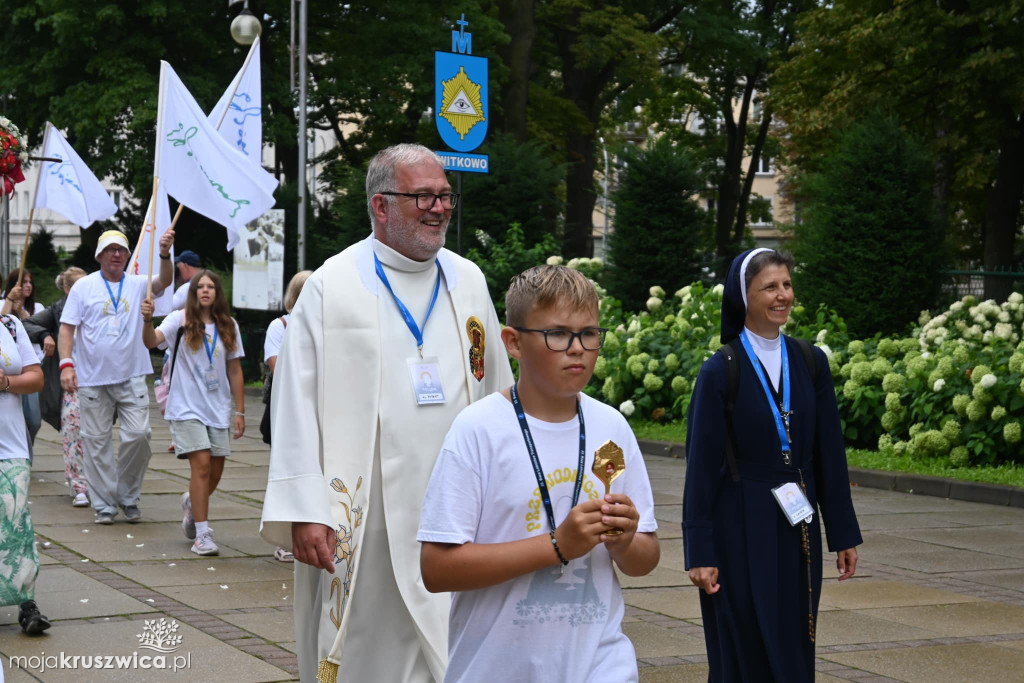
column 752, row 541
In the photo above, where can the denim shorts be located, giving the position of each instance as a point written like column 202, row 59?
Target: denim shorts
column 192, row 435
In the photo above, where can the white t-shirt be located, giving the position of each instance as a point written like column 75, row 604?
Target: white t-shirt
column 16, row 354
column 188, row 398
column 108, row 343
column 544, row 626
column 275, row 335
column 180, row 296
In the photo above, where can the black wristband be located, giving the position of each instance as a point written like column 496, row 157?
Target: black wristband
column 561, row 557
column 165, row 257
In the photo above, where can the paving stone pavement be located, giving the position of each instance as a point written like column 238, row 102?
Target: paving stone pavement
column 939, row 594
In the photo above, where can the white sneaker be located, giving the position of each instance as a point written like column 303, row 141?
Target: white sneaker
column 188, row 523
column 204, row 545
column 81, row 501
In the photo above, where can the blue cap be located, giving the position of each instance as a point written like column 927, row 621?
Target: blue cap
column 189, row 258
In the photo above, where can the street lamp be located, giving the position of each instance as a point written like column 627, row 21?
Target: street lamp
column 245, row 27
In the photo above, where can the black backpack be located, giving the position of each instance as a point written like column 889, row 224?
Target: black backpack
column 730, row 352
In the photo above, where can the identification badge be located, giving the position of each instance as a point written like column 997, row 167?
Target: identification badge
column 114, row 326
column 212, row 381
column 794, row 503
column 426, row 380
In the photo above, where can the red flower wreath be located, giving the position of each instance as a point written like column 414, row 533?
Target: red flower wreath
column 12, row 154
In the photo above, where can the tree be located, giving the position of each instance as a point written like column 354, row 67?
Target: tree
column 41, row 253
column 951, row 71
column 599, row 57
column 868, row 244
column 661, row 234
column 731, row 50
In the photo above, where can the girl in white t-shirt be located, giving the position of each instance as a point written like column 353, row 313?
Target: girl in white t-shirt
column 205, row 348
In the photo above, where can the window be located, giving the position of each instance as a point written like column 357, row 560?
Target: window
column 116, row 196
column 764, row 165
column 761, row 211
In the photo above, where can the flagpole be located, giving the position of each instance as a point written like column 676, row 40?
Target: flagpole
column 152, row 240
column 156, row 174
column 238, row 82
column 32, row 211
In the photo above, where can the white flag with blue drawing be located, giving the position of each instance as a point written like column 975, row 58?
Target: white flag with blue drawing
column 238, row 116
column 68, row 186
column 202, row 170
column 139, row 265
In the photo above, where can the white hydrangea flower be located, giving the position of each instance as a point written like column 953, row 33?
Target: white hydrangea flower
column 988, row 381
column 573, row 263
column 1016, row 298
column 924, row 318
column 718, row 289
column 925, row 354
column 583, row 261
column 1004, row 317
column 826, row 348
column 554, row 260
column 596, row 261
column 684, row 292
column 627, row 408
column 939, row 383
column 654, row 303
column 1003, row 330
column 657, row 291
column 956, row 307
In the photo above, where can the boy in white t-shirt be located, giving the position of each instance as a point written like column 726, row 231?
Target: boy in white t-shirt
column 535, row 593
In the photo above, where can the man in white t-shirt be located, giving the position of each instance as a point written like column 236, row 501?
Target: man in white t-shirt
column 187, row 265
column 103, row 358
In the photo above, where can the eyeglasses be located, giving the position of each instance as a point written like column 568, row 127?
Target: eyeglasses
column 558, row 339
column 425, row 200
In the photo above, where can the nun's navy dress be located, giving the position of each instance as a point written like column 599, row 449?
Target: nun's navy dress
column 759, row 626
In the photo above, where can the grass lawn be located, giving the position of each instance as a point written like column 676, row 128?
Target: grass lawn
column 872, row 460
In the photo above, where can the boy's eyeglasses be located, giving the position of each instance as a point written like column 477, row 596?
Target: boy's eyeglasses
column 425, row 200
column 558, row 339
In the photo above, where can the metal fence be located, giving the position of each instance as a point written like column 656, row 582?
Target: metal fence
column 957, row 284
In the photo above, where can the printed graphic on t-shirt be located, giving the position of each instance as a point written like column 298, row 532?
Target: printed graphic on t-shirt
column 560, row 594
column 122, row 306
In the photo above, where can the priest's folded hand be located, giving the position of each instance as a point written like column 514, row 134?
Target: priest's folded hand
column 313, row 544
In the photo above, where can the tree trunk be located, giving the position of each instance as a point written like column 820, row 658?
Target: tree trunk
column 580, row 196
column 1004, row 205
column 748, row 181
column 517, row 16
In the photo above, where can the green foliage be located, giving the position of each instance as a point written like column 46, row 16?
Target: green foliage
column 868, row 234
column 500, row 260
column 524, row 186
column 41, row 253
column 661, row 234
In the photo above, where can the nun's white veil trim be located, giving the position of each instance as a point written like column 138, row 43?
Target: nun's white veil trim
column 743, row 272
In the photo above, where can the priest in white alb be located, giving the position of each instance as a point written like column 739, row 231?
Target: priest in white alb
column 360, row 430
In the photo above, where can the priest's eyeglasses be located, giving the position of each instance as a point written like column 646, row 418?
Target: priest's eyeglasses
column 425, row 200
column 558, row 339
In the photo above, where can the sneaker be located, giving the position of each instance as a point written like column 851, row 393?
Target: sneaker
column 132, row 514
column 204, row 545
column 188, row 523
column 105, row 517
column 81, row 500
column 32, row 622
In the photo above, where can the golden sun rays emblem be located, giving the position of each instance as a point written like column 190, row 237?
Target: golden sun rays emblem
column 461, row 105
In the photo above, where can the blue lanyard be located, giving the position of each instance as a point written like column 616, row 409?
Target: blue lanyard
column 538, row 471
column 211, row 348
column 410, row 322
column 781, row 419
column 120, row 286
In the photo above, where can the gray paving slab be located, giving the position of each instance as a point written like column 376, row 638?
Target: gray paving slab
column 939, row 664
column 274, row 625
column 1006, row 540
column 650, row 640
column 981, row 618
column 199, row 570
column 891, row 549
column 63, row 593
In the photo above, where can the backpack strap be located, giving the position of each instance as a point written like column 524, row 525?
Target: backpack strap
column 810, row 360
column 730, row 353
column 174, row 356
